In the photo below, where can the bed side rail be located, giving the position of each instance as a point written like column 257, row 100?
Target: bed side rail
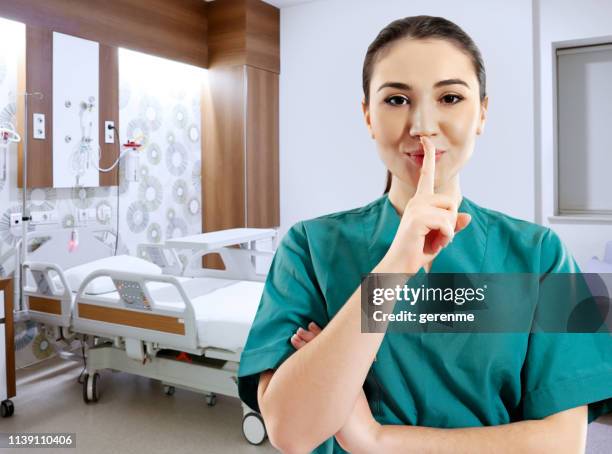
column 44, row 300
column 133, row 313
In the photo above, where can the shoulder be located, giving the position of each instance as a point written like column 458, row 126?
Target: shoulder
column 529, row 237
column 344, row 222
column 511, row 227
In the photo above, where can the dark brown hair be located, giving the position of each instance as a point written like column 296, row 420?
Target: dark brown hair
column 421, row 27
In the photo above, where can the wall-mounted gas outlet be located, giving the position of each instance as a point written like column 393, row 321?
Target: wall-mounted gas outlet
column 87, row 214
column 109, row 132
column 44, row 217
column 38, row 126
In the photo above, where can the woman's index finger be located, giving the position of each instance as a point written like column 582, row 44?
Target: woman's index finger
column 428, row 169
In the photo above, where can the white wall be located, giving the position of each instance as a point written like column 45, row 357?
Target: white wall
column 328, row 162
column 562, row 20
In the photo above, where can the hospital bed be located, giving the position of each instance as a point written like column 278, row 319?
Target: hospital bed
column 186, row 330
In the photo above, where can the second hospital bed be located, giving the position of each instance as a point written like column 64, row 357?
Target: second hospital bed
column 186, row 331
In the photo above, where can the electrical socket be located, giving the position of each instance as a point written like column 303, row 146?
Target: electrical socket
column 109, row 132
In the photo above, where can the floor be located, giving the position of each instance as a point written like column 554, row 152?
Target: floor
column 134, row 415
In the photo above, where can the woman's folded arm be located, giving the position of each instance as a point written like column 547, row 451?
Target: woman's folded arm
column 317, row 386
column 563, row 432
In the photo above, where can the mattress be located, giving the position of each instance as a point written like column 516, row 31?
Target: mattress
column 225, row 316
column 224, row 309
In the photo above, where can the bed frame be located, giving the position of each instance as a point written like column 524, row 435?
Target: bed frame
column 134, row 335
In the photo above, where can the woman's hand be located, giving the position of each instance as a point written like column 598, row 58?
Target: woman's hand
column 429, row 222
column 359, row 432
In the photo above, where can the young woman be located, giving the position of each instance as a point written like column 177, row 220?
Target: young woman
column 321, row 384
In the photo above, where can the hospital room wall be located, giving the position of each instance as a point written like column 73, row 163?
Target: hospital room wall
column 165, row 202
column 328, row 161
column 562, row 20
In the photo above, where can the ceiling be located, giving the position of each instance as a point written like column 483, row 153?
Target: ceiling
column 285, row 3
column 281, row 3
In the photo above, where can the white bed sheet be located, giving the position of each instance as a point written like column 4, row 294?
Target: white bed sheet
column 225, row 316
column 224, row 308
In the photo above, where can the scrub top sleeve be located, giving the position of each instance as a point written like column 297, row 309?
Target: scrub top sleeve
column 566, row 370
column 291, row 298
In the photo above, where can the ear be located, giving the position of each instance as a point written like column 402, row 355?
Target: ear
column 366, row 116
column 484, row 105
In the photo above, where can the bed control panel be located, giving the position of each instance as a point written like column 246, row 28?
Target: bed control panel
column 132, row 294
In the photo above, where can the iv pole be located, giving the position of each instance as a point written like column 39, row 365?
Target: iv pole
column 25, row 216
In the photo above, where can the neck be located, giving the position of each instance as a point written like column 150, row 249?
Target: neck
column 401, row 193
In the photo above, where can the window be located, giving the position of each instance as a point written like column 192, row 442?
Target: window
column 584, row 130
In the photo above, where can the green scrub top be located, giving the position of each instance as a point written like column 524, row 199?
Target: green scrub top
column 444, row 380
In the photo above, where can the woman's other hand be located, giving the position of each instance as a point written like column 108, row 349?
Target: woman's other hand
column 359, row 432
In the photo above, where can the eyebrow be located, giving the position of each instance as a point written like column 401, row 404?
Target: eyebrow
column 442, row 83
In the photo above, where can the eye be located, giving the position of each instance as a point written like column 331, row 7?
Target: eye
column 396, row 100
column 459, row 98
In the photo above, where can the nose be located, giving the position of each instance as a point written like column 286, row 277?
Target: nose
column 423, row 121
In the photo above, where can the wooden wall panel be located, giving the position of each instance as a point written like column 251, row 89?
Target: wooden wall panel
column 240, row 181
column 226, row 33
column 244, row 32
column 262, row 142
column 172, row 29
column 223, row 169
column 109, row 110
column 39, row 78
column 263, row 36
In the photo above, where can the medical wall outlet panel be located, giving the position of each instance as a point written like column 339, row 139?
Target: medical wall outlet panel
column 44, row 217
column 109, row 132
column 76, row 100
column 38, row 126
column 87, row 214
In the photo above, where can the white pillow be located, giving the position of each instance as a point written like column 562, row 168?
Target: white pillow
column 76, row 275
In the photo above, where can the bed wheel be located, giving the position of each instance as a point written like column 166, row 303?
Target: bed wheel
column 169, row 390
column 91, row 392
column 211, row 399
column 7, row 408
column 253, row 428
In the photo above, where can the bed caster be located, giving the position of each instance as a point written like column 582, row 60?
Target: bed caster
column 211, row 399
column 253, row 428
column 91, row 391
column 7, row 408
column 169, row 390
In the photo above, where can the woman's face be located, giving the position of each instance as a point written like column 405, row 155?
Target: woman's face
column 406, row 102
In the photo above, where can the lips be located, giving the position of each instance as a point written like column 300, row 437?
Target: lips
column 418, row 155
column 421, row 152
